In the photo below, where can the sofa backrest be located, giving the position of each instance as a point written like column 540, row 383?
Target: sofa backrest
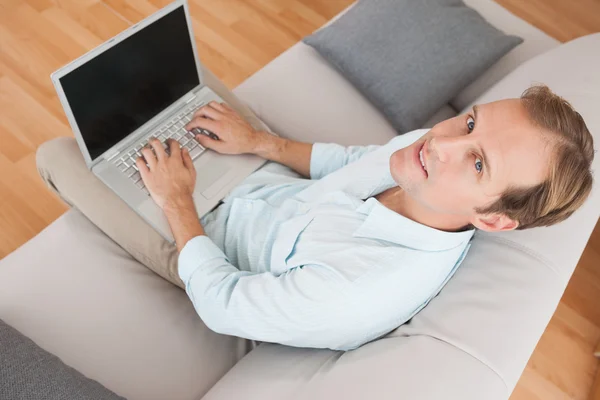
column 534, row 42
column 474, row 339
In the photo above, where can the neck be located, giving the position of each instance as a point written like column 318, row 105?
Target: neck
column 399, row 201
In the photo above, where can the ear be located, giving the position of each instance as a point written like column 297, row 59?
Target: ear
column 494, row 223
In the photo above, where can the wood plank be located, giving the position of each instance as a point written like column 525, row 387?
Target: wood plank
column 25, row 118
column 12, row 147
column 240, row 42
column 132, row 11
column 33, row 61
column 95, row 17
column 74, row 29
column 595, row 392
column 40, row 5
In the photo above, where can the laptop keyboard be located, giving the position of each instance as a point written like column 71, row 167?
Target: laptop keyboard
column 174, row 129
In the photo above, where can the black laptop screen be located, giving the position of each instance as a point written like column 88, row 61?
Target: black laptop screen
column 124, row 87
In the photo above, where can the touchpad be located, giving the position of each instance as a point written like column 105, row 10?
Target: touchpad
column 210, row 170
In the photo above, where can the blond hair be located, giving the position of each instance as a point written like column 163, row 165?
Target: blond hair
column 569, row 181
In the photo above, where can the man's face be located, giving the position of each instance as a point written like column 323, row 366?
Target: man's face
column 470, row 160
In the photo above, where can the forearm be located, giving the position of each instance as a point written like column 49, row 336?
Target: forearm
column 183, row 220
column 290, row 153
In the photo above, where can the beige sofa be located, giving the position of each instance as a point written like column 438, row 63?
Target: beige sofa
column 80, row 296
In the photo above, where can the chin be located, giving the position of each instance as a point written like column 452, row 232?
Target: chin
column 398, row 164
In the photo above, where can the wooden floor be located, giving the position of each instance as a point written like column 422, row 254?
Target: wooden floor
column 236, row 38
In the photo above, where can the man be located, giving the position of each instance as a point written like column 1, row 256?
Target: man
column 348, row 255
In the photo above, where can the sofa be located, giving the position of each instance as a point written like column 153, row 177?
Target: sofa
column 80, row 296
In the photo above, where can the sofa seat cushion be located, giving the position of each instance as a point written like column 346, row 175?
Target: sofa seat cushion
column 79, row 296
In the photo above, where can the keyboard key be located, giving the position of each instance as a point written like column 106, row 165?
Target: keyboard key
column 136, row 177
column 139, row 184
column 196, row 151
column 129, row 171
column 146, row 191
column 190, row 145
column 122, row 167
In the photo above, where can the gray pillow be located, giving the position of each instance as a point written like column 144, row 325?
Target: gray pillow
column 410, row 57
column 29, row 372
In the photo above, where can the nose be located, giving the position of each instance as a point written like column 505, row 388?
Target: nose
column 445, row 147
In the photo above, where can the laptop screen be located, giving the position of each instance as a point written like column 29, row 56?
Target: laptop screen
column 127, row 85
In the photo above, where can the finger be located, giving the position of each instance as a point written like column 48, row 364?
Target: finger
column 217, row 106
column 174, row 148
column 159, row 150
column 208, row 142
column 227, row 106
column 208, row 112
column 187, row 160
column 204, row 123
column 149, row 157
column 142, row 168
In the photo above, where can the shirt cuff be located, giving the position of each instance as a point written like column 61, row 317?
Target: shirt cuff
column 320, row 157
column 195, row 253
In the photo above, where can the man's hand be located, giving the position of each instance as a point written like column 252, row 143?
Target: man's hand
column 236, row 136
column 169, row 178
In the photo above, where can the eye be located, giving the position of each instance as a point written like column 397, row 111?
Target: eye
column 478, row 165
column 470, row 124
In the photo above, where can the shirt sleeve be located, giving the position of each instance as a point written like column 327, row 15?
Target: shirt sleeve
column 326, row 158
column 304, row 307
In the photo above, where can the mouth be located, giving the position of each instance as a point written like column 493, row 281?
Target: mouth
column 420, row 159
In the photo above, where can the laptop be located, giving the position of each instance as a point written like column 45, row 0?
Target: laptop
column 146, row 82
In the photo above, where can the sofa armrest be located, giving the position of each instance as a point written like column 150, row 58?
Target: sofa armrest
column 80, row 296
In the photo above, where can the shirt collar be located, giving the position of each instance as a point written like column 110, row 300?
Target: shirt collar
column 385, row 224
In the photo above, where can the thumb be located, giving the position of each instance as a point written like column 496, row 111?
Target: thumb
column 187, row 159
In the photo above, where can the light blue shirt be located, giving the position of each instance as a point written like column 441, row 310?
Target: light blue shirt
column 308, row 262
